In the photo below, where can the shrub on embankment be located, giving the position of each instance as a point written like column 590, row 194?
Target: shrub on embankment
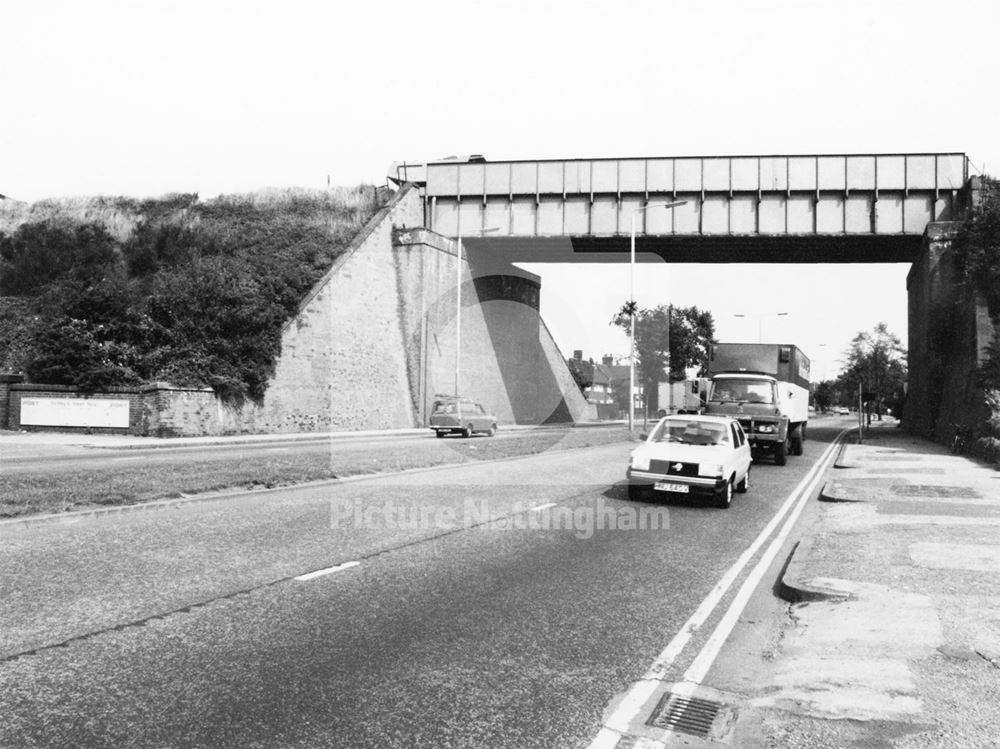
column 116, row 291
column 977, row 253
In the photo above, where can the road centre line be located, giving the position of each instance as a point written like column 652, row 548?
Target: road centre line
column 617, row 723
column 327, row 571
column 544, row 507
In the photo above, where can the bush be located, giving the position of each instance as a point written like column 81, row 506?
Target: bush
column 977, row 246
column 189, row 292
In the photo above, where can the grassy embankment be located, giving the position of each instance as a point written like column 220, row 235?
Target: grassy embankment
column 117, row 291
column 140, row 482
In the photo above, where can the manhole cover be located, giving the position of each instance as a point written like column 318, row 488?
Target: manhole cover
column 929, row 490
column 691, row 715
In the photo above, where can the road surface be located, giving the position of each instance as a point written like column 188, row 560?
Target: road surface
column 381, row 612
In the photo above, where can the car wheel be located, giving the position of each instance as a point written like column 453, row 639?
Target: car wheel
column 467, row 432
column 637, row 492
column 491, row 431
column 781, row 454
column 725, row 497
column 439, row 435
column 744, row 486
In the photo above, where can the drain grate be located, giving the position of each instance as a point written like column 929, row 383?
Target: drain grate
column 691, row 715
column 929, row 490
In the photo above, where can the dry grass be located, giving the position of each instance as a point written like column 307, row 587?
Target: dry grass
column 121, row 215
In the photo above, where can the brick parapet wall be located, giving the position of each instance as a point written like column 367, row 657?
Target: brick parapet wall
column 169, row 411
column 158, row 410
column 32, row 390
column 6, row 381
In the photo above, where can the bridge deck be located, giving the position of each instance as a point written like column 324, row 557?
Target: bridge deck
column 792, row 197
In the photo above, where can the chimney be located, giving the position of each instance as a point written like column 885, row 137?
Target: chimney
column 608, row 361
column 578, row 355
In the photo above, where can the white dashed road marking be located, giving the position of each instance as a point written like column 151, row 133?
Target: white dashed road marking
column 327, row 571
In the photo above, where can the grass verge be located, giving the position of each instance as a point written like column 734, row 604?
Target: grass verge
column 159, row 477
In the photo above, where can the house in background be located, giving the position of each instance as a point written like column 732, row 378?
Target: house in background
column 600, row 382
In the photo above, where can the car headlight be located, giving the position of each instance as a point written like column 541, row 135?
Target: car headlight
column 765, row 428
column 712, row 470
column 639, row 462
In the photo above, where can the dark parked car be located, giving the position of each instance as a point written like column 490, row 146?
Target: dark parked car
column 461, row 416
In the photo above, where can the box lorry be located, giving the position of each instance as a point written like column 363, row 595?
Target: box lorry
column 765, row 386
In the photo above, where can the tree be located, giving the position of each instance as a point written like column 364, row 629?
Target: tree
column 876, row 365
column 583, row 373
column 824, row 395
column 977, row 246
column 667, row 336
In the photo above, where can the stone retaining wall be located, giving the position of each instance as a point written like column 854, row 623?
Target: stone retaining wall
column 375, row 340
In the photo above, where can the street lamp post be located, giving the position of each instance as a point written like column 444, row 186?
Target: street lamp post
column 760, row 322
column 633, row 309
column 458, row 301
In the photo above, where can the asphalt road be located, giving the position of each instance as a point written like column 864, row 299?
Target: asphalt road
column 188, row 627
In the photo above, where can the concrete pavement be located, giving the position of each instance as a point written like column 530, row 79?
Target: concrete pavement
column 892, row 635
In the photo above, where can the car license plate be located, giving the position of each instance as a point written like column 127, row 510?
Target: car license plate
column 667, row 486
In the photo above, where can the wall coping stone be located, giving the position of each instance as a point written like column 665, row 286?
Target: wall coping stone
column 31, row 387
column 153, row 386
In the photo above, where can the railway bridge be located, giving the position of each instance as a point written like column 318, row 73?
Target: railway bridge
column 819, row 208
column 852, row 208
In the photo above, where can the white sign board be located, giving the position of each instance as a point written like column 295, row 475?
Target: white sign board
column 74, row 412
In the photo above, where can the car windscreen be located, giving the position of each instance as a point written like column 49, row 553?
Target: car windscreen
column 688, row 432
column 742, row 391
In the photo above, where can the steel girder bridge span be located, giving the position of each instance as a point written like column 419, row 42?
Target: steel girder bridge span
column 810, row 209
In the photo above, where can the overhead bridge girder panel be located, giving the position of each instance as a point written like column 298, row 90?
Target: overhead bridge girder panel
column 947, row 171
column 725, row 195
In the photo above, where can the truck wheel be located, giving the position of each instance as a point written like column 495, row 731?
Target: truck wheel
column 781, row 454
column 725, row 498
column 797, row 444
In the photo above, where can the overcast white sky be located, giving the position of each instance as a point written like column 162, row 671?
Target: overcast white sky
column 142, row 99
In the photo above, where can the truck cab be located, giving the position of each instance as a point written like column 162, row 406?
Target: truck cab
column 766, row 388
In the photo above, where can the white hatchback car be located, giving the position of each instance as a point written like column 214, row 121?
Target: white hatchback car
column 692, row 455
